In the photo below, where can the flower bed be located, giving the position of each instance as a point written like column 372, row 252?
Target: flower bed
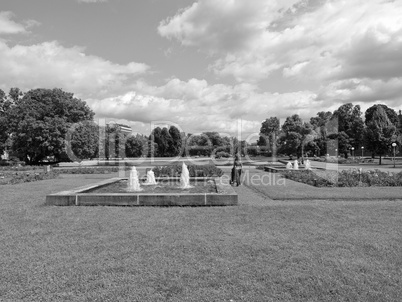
column 89, row 170
column 345, row 178
column 12, row 178
column 339, row 160
column 19, row 168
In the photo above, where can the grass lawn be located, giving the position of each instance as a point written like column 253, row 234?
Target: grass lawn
column 274, row 186
column 261, row 250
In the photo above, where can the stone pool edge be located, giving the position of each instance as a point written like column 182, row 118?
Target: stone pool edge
column 225, row 196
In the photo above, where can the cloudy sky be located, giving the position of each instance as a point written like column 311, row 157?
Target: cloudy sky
column 205, row 65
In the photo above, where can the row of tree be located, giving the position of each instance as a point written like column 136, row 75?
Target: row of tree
column 51, row 123
column 44, row 124
column 334, row 133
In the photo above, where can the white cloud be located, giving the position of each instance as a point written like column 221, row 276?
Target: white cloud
column 339, row 39
column 7, row 26
column 49, row 64
column 197, row 106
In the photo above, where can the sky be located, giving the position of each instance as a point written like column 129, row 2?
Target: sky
column 205, row 65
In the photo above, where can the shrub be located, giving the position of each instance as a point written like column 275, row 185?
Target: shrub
column 89, row 170
column 222, row 154
column 194, row 170
column 16, row 178
column 11, row 168
column 307, row 177
column 345, row 178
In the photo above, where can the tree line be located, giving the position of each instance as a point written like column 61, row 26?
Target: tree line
column 51, row 124
column 341, row 132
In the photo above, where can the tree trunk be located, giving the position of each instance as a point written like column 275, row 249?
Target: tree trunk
column 380, row 160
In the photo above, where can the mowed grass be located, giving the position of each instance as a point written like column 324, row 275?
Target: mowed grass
column 261, row 250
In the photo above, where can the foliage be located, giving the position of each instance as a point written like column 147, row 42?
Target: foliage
column 89, row 170
column 210, row 143
column 320, row 124
column 16, row 178
column 20, row 168
column 175, row 144
column 114, row 141
column 295, row 135
column 380, row 132
column 222, row 154
column 194, row 170
column 84, row 141
column 345, row 178
column 339, row 160
column 134, row 146
column 269, row 133
column 350, row 128
column 40, row 120
column 166, row 142
column 5, row 105
column 307, row 177
column 391, row 114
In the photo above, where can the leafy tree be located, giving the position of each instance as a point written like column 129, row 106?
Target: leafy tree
column 156, row 142
column 391, row 114
column 320, row 125
column 380, row 132
column 174, row 149
column 39, row 122
column 134, row 146
column 4, row 132
column 84, row 140
column 295, row 135
column 350, row 127
column 291, row 139
column 167, row 141
column 263, row 143
column 270, row 129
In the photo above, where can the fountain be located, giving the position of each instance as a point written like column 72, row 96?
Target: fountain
column 133, row 184
column 150, row 178
column 117, row 191
column 184, row 177
column 296, row 165
column 289, row 166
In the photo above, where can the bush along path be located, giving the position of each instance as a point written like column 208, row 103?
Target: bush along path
column 345, row 178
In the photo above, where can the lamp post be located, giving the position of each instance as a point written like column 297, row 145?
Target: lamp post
column 394, row 145
column 362, row 151
column 353, row 152
column 336, row 153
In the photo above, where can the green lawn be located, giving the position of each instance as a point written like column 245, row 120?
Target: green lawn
column 274, row 186
column 261, row 250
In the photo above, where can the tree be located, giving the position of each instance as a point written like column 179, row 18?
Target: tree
column 4, row 131
column 350, row 127
column 270, row 130
column 291, row 137
column 263, row 144
column 114, row 141
column 380, row 132
column 391, row 114
column 320, row 127
column 39, row 122
column 84, row 140
column 134, row 146
column 174, row 148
